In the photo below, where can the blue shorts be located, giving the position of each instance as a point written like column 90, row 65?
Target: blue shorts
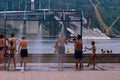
column 78, row 54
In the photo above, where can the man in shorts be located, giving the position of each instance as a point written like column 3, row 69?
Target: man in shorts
column 23, row 51
column 61, row 50
column 78, row 51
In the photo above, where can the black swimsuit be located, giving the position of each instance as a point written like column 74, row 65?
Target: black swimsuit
column 1, row 48
column 24, row 53
column 78, row 54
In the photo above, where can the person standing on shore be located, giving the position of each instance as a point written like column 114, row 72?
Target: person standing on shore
column 93, row 56
column 61, row 49
column 12, row 55
column 78, row 51
column 15, row 41
column 3, row 48
column 23, row 51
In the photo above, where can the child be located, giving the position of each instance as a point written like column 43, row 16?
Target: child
column 12, row 55
column 103, row 51
column 93, row 56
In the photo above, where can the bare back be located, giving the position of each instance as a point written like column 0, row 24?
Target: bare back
column 14, row 40
column 1, row 42
column 61, row 41
column 78, row 45
column 23, row 44
column 94, row 49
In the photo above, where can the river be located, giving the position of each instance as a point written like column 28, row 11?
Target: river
column 44, row 45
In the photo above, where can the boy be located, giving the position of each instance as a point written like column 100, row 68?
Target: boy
column 93, row 56
column 78, row 51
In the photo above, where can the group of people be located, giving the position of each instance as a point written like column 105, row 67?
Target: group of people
column 9, row 46
column 106, row 51
column 78, row 45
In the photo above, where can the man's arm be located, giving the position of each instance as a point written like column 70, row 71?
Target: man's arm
column 71, row 41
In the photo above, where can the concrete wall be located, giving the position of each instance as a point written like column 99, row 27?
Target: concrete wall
column 69, row 58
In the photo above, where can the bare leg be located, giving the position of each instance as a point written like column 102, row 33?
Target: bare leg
column 91, row 58
column 14, row 61
column 25, row 60
column 58, row 61
column 76, row 63
column 89, row 63
column 1, row 56
column 62, row 61
column 21, row 62
column 9, row 63
column 94, row 63
column 80, row 66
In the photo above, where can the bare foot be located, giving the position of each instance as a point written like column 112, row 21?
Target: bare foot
column 76, row 68
column 8, row 70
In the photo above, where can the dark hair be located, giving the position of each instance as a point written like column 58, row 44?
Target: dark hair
column 23, row 38
column 74, row 39
column 108, row 51
column 12, row 35
column 1, row 36
column 93, row 42
column 101, row 49
column 78, row 36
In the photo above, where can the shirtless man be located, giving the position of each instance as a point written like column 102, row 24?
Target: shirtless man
column 61, row 49
column 78, row 51
column 14, row 39
column 23, row 51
